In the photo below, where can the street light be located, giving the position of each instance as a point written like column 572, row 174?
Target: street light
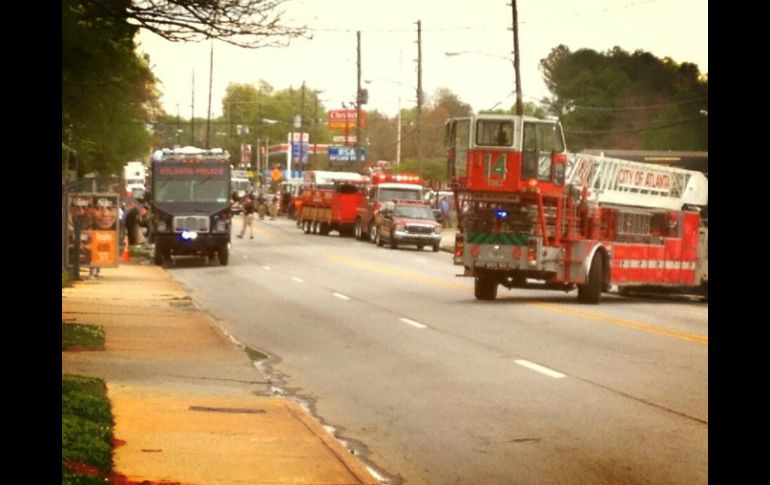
column 512, row 60
column 398, row 130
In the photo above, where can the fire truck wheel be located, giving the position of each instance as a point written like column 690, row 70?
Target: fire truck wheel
column 316, row 227
column 590, row 292
column 224, row 256
column 325, row 229
column 357, row 230
column 485, row 287
column 306, row 227
column 372, row 233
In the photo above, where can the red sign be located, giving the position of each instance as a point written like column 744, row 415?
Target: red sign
column 345, row 118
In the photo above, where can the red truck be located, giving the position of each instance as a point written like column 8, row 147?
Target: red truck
column 329, row 201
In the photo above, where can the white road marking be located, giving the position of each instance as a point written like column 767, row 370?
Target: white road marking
column 298, row 280
column 341, row 296
column 413, row 323
column 540, row 368
column 267, row 268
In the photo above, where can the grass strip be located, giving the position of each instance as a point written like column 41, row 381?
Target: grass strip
column 81, row 337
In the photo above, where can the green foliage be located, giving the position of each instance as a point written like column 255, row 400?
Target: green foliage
column 75, row 335
column 66, row 279
column 622, row 100
column 107, row 90
column 86, row 422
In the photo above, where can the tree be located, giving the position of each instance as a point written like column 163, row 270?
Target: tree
column 108, row 91
column 617, row 99
column 243, row 23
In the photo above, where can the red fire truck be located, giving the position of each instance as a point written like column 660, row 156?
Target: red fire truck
column 384, row 187
column 532, row 216
column 329, row 201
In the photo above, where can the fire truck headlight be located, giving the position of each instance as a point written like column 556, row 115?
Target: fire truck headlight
column 161, row 227
column 189, row 235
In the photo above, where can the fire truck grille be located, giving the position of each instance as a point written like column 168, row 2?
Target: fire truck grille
column 191, row 223
column 412, row 229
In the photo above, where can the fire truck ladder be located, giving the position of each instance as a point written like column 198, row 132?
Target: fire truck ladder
column 622, row 182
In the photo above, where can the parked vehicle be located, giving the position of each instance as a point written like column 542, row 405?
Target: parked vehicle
column 407, row 222
column 190, row 200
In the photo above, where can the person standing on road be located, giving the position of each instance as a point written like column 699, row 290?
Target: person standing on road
column 274, row 207
column 443, row 206
column 261, row 206
column 248, row 215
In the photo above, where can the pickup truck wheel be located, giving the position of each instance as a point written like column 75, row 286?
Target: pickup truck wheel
column 485, row 287
column 420, row 246
column 393, row 243
column 589, row 293
column 435, row 248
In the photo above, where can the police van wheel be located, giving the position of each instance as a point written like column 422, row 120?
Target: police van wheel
column 159, row 257
column 224, row 256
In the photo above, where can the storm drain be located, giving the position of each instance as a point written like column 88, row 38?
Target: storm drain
column 227, row 410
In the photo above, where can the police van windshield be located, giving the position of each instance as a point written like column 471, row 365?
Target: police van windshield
column 192, row 190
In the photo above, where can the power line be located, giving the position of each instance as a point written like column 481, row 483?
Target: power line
column 632, row 108
column 635, row 130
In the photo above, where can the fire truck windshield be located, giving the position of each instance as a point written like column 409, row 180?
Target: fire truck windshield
column 192, row 190
column 393, row 194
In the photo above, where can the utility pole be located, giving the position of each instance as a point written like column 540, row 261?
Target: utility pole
column 178, row 137
column 358, row 104
column 419, row 95
column 208, row 117
column 519, row 107
column 301, row 126
column 315, row 127
column 192, row 114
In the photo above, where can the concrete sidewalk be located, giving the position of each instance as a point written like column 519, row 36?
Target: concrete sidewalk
column 189, row 406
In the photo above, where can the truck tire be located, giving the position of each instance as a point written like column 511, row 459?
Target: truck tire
column 158, row 256
column 325, row 229
column 224, row 255
column 379, row 239
column 435, row 248
column 591, row 291
column 485, row 287
column 357, row 230
column 372, row 233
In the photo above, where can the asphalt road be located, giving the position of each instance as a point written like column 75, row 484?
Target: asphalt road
column 429, row 385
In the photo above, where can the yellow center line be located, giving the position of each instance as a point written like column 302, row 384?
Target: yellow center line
column 642, row 327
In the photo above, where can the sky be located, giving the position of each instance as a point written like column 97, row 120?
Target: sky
column 481, row 75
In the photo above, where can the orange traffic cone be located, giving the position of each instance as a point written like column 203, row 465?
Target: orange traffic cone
column 125, row 256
